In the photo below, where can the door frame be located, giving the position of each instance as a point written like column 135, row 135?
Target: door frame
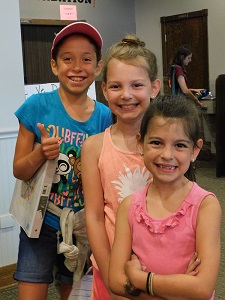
column 196, row 14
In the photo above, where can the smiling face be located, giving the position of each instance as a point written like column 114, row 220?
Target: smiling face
column 168, row 151
column 76, row 65
column 128, row 89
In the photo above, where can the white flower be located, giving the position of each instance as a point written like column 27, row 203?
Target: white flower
column 131, row 182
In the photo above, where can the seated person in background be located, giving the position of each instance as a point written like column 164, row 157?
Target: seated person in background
column 178, row 75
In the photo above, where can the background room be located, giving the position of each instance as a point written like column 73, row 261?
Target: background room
column 113, row 19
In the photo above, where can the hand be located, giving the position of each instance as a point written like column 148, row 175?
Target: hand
column 192, row 266
column 133, row 267
column 49, row 145
column 202, row 106
column 196, row 90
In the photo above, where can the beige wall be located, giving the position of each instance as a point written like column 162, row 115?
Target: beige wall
column 113, row 18
column 148, row 27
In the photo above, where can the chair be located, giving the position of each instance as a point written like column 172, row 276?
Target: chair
column 220, row 124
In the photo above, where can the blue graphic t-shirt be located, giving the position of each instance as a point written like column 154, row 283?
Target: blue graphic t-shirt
column 47, row 108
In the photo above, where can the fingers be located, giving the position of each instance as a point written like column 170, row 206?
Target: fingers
column 50, row 146
column 193, row 259
column 196, row 263
column 42, row 130
column 193, row 264
column 193, row 273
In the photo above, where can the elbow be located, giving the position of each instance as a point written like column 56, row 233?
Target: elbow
column 116, row 286
column 113, row 286
column 20, row 176
column 203, row 292
column 113, row 289
column 17, row 174
column 203, row 296
column 186, row 92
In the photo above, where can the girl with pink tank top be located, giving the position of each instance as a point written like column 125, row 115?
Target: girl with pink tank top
column 172, row 218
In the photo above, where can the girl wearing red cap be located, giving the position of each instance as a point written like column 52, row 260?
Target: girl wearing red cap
column 59, row 121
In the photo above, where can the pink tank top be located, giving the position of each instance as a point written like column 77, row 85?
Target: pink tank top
column 165, row 246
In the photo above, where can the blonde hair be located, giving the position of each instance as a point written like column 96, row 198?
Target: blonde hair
column 132, row 50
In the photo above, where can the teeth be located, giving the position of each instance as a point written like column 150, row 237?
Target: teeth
column 76, row 78
column 167, row 168
column 128, row 106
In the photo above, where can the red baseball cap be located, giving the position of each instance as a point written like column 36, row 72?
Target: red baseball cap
column 78, row 27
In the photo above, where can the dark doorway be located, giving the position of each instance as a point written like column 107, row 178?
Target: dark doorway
column 191, row 29
column 37, row 36
column 220, row 117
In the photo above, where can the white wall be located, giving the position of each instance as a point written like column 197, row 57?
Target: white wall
column 11, row 75
column 112, row 18
column 11, row 96
column 148, row 27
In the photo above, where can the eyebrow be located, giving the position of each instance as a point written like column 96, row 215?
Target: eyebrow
column 177, row 141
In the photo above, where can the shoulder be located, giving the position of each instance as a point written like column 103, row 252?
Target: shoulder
column 209, row 204
column 40, row 99
column 125, row 204
column 209, row 218
column 39, row 102
column 136, row 198
column 93, row 144
column 179, row 70
column 44, row 95
column 94, row 139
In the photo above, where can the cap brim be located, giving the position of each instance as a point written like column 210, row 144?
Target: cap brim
column 78, row 27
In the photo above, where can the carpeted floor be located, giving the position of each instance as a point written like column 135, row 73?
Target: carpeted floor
column 206, row 178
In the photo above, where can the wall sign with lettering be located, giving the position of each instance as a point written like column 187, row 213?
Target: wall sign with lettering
column 74, row 1
column 31, row 89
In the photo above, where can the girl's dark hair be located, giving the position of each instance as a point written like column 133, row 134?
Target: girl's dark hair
column 182, row 52
column 175, row 107
column 132, row 50
column 58, row 46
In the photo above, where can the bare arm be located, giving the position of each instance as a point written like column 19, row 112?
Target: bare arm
column 27, row 159
column 94, row 203
column 181, row 286
column 187, row 91
column 196, row 90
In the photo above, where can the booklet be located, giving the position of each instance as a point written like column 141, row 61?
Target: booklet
column 82, row 289
column 30, row 199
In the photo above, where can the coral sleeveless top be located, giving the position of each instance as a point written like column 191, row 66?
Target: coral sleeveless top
column 122, row 173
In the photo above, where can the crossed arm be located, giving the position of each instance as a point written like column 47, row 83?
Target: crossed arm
column 169, row 287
